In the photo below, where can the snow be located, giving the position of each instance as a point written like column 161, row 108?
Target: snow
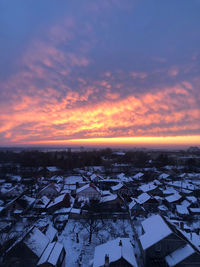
column 132, row 204
column 82, row 188
column 162, row 208
column 155, row 230
column 36, row 241
column 108, row 198
column 93, row 176
column 73, row 179
column 192, row 199
column 76, row 211
column 141, row 199
column 195, row 210
column 52, row 169
column 55, row 253
column 56, row 200
column 138, row 175
column 51, row 254
column 117, row 187
column 108, row 230
column 62, row 211
column 179, row 255
column 115, row 252
column 51, row 233
column 169, row 191
column 182, row 210
column 163, row 176
column 173, row 198
column 147, row 187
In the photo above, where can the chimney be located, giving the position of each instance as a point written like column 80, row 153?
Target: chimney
column 106, row 261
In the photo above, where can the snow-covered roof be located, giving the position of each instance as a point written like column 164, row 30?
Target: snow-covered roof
column 73, row 179
column 51, row 254
column 51, row 232
column 182, row 210
column 42, row 202
column 87, row 186
column 93, row 176
column 117, row 187
column 109, row 198
column 179, row 255
column 147, row 187
column 52, row 169
column 192, row 199
column 76, row 211
column 162, row 208
column 183, row 184
column 155, row 230
column 143, row 198
column 115, row 252
column 195, row 210
column 169, row 191
column 173, row 198
column 163, row 176
column 36, row 241
column 56, row 200
column 138, row 175
column 132, row 204
column 185, row 203
column 62, row 210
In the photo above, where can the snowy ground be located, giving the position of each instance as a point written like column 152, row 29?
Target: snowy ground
column 107, row 231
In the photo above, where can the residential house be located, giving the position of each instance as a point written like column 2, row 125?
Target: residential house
column 62, row 201
column 115, row 253
column 51, row 190
column 88, row 191
column 162, row 242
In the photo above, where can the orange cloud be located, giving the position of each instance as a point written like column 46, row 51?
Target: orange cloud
column 33, row 120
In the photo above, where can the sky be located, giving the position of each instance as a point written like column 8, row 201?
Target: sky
column 99, row 72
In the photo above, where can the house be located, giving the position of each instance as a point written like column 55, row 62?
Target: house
column 51, row 190
column 41, row 204
column 111, row 202
column 118, row 252
column 35, row 248
column 173, row 200
column 53, row 256
column 135, row 209
column 121, row 189
column 148, row 202
column 88, row 191
column 22, row 203
column 138, row 176
column 62, row 201
column 183, row 256
column 28, row 249
column 151, row 189
column 162, row 242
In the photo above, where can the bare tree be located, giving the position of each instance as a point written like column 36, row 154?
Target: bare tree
column 91, row 223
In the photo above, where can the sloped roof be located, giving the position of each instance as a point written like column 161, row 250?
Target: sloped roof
column 155, row 230
column 115, row 252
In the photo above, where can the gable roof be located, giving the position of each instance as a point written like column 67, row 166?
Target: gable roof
column 87, row 186
column 155, row 230
column 51, row 254
column 36, row 241
column 115, row 252
column 179, row 255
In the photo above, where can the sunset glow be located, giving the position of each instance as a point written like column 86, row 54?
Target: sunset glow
column 109, row 74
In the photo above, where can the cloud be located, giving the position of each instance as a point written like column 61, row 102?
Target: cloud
column 30, row 120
